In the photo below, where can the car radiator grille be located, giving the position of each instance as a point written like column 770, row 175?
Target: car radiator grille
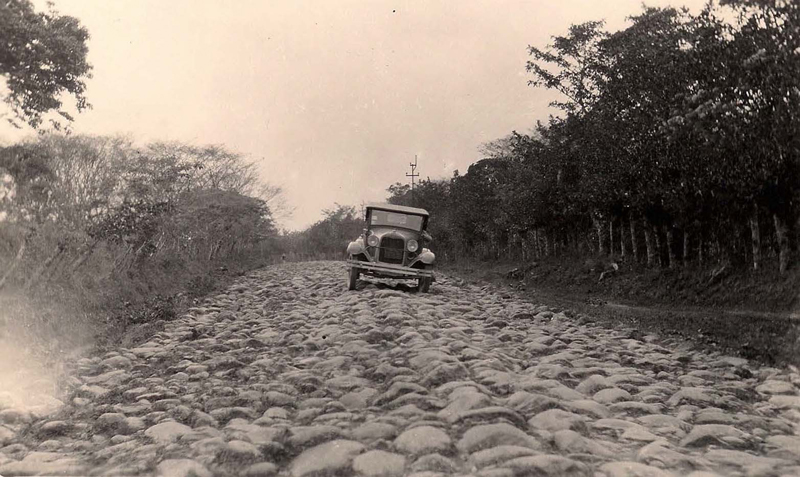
column 392, row 250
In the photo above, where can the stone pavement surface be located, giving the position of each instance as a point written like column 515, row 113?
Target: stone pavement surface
column 287, row 373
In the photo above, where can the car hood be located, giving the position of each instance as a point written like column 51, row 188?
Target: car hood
column 405, row 234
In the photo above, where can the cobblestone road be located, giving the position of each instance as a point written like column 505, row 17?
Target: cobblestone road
column 287, row 373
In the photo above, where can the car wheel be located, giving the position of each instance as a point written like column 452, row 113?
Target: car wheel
column 353, row 278
column 424, row 284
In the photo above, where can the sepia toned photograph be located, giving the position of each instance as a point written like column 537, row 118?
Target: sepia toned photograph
column 385, row 238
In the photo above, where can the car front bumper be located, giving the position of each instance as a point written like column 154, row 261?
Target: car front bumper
column 389, row 270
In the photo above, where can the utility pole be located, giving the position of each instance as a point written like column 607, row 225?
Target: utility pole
column 412, row 176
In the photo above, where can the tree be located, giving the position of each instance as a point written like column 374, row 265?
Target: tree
column 30, row 185
column 741, row 115
column 42, row 56
column 330, row 236
column 649, row 173
column 433, row 196
column 87, row 172
column 216, row 167
column 218, row 222
column 572, row 56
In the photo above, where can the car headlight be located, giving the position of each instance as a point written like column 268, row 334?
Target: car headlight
column 412, row 245
column 372, row 240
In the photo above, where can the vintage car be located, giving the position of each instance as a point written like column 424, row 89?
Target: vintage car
column 393, row 246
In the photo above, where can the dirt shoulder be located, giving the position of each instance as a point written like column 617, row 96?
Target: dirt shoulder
column 736, row 311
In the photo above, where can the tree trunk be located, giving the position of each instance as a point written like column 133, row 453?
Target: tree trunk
column 648, row 242
column 56, row 269
column 35, row 277
column 611, row 237
column 700, row 246
column 526, row 247
column 755, row 235
column 599, row 227
column 557, row 243
column 546, row 244
column 622, row 245
column 659, row 250
column 685, row 247
column 577, row 245
column 15, row 263
column 783, row 242
column 670, row 235
column 121, row 261
column 214, row 249
column 539, row 244
column 83, row 257
column 515, row 249
column 634, row 248
column 600, row 249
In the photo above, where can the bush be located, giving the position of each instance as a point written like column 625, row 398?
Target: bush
column 122, row 236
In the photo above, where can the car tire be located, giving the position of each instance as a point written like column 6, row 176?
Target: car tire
column 353, row 278
column 424, row 284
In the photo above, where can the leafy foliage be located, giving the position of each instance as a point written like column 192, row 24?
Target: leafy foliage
column 678, row 134
column 42, row 55
column 328, row 237
column 158, row 203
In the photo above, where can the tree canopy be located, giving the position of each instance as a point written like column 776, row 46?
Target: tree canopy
column 42, row 57
column 676, row 142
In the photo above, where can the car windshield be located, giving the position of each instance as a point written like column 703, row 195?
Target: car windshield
column 394, row 219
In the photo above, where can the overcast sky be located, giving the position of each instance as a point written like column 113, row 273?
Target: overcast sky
column 332, row 99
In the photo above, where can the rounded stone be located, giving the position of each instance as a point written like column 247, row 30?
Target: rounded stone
column 167, row 432
column 239, row 452
column 182, row 468
column 548, row 465
column 555, row 420
column 499, row 454
column 490, row 435
column 112, row 422
column 434, row 463
column 611, row 395
column 379, row 463
column 6, row 435
column 276, row 413
column 262, row 469
column 423, row 439
column 331, row 458
column 632, row 469
column 372, row 431
column 776, row 387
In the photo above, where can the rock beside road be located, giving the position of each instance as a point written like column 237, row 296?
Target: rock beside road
column 288, row 373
